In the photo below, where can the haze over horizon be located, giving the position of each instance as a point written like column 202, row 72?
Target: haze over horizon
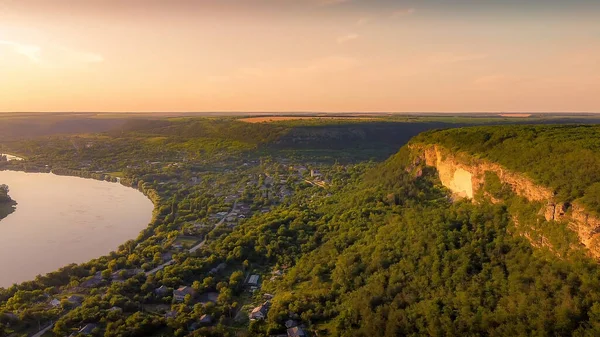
column 300, row 55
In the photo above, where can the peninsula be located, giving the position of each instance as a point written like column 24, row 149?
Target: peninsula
column 7, row 204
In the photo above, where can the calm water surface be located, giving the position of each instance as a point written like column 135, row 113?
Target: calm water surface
column 61, row 220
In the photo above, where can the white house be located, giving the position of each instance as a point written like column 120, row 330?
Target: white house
column 253, row 280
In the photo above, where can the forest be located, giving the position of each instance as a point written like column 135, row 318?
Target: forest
column 343, row 242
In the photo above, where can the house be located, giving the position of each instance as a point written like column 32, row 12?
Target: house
column 260, row 312
column 180, row 293
column 268, row 296
column 315, row 173
column 206, row 320
column 171, row 314
column 290, row 323
column 253, row 280
column 75, row 300
column 161, row 291
column 301, row 169
column 87, row 330
column 93, row 281
column 209, row 297
column 194, row 326
column 218, row 268
column 201, row 225
column 115, row 309
column 55, row 303
column 296, row 332
column 167, row 256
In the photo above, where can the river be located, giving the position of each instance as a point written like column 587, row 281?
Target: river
column 61, row 220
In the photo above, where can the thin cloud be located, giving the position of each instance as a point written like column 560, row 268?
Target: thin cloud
column 347, row 38
column 403, row 12
column 31, row 52
column 52, row 56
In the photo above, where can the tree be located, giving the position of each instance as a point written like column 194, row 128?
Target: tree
column 225, row 296
column 236, row 279
column 4, row 193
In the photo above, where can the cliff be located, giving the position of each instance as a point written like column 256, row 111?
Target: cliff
column 465, row 176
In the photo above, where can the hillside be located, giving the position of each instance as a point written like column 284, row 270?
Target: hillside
column 436, row 240
column 398, row 258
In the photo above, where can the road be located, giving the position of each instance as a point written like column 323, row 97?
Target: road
column 44, row 330
column 196, row 247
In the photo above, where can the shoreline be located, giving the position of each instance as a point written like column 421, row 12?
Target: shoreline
column 7, row 208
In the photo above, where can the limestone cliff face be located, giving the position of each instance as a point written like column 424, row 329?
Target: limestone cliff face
column 464, row 175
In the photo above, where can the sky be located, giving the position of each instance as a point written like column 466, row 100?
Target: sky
column 300, row 55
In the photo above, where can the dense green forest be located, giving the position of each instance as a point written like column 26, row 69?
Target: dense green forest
column 399, row 259
column 563, row 157
column 343, row 241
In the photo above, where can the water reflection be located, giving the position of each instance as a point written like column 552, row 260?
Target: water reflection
column 61, row 220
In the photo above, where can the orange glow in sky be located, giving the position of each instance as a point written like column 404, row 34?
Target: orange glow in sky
column 300, row 55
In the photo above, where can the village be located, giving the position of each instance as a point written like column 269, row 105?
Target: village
column 261, row 187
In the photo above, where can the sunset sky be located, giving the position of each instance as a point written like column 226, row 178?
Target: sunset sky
column 300, row 55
